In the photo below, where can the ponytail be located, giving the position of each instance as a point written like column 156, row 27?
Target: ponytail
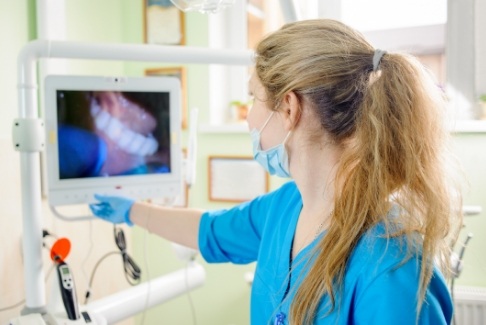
column 400, row 142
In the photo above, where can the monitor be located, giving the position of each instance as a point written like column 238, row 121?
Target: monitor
column 112, row 135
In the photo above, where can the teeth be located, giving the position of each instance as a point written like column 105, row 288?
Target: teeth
column 125, row 139
column 144, row 149
column 102, row 120
column 149, row 146
column 114, row 129
column 136, row 143
column 154, row 145
column 95, row 108
column 131, row 142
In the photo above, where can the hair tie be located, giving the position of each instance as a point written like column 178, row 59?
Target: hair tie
column 377, row 58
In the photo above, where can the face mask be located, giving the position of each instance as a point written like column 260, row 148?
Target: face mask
column 275, row 160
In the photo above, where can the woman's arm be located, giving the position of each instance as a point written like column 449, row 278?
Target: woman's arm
column 179, row 225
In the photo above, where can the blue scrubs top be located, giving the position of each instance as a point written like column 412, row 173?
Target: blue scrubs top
column 378, row 288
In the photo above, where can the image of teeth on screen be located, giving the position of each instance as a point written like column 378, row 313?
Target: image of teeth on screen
column 112, row 137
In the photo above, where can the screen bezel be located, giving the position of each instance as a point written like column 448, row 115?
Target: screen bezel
column 82, row 190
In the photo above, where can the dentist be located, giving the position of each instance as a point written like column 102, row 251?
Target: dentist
column 361, row 232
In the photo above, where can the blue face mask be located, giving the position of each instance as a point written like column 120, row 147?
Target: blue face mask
column 275, row 160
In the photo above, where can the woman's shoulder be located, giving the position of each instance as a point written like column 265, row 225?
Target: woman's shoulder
column 288, row 187
column 384, row 249
column 287, row 192
column 383, row 275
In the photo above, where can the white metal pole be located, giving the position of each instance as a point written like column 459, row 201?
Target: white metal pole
column 144, row 52
column 31, row 190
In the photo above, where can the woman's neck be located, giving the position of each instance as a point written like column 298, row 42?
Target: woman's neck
column 314, row 171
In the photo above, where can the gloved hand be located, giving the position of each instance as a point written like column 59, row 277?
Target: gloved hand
column 115, row 209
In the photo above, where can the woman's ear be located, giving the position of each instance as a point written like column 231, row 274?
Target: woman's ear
column 291, row 110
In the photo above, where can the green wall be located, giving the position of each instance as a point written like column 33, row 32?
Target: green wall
column 17, row 27
column 470, row 148
column 224, row 299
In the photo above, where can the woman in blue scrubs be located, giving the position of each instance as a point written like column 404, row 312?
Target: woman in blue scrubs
column 361, row 232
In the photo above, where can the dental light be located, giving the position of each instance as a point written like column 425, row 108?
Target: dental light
column 203, row 6
column 288, row 7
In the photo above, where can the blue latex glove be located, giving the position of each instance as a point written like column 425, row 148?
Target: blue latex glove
column 115, row 209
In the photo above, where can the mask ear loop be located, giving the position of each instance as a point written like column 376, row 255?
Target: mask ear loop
column 288, row 135
column 266, row 122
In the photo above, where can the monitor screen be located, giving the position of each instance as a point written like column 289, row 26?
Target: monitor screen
column 112, row 135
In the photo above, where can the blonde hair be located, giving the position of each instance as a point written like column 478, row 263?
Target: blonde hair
column 389, row 124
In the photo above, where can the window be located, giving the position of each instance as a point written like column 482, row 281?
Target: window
column 239, row 27
column 413, row 26
column 393, row 14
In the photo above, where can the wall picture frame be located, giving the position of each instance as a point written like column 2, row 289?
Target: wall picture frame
column 163, row 23
column 181, row 73
column 235, row 179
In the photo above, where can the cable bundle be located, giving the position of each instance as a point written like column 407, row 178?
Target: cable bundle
column 132, row 271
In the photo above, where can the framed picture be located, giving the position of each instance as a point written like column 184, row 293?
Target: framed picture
column 235, row 179
column 163, row 23
column 179, row 72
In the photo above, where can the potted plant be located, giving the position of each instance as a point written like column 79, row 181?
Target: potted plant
column 482, row 105
column 240, row 110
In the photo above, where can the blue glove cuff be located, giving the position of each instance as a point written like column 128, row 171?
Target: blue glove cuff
column 127, row 217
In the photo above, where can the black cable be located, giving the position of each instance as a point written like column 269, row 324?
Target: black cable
column 132, row 271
